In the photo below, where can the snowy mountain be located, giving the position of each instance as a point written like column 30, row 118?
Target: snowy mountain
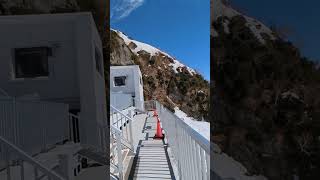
column 265, row 113
column 137, row 47
column 223, row 11
column 164, row 77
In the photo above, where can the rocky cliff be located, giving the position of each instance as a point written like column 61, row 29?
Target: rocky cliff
column 164, row 77
column 265, row 96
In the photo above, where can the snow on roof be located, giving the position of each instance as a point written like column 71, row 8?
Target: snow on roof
column 258, row 28
column 220, row 9
column 153, row 51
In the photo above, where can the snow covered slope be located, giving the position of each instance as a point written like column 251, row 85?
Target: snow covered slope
column 200, row 126
column 140, row 46
column 221, row 9
column 226, row 167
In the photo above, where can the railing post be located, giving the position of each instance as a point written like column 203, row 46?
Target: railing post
column 131, row 137
column 208, row 165
column 178, row 145
column 119, row 156
column 21, row 169
column 66, row 166
column 203, row 165
column 8, row 170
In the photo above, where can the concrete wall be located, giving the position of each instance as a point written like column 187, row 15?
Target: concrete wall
column 133, row 85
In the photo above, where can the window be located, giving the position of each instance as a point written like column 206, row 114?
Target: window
column 120, row 81
column 98, row 61
column 31, row 62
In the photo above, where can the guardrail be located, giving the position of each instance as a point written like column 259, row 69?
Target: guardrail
column 190, row 149
column 10, row 148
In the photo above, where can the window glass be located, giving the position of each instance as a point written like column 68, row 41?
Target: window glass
column 120, row 81
column 31, row 62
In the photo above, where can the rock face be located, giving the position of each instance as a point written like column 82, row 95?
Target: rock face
column 37, row 6
column 164, row 77
column 265, row 97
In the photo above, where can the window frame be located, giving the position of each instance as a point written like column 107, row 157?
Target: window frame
column 14, row 63
column 125, row 81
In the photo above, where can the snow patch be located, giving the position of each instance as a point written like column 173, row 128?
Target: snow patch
column 258, row 28
column 290, row 94
column 214, row 33
column 200, row 126
column 227, row 167
column 226, row 26
column 177, row 64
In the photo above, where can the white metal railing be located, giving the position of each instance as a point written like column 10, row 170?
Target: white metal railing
column 190, row 149
column 74, row 128
column 33, row 126
column 124, row 124
column 116, row 152
column 40, row 171
column 120, row 138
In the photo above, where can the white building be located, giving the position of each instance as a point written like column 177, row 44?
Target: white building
column 126, row 87
column 58, row 57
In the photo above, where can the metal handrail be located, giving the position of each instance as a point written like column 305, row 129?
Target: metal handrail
column 30, row 159
column 202, row 141
column 118, row 111
column 127, row 120
column 190, row 149
column 119, row 166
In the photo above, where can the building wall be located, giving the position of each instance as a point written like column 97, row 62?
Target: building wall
column 91, row 83
column 133, row 85
column 73, row 77
column 22, row 32
column 139, row 89
column 121, row 101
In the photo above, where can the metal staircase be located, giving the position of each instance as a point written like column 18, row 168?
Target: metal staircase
column 39, row 171
column 122, row 150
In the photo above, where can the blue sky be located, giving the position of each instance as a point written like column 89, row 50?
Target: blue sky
column 300, row 17
column 179, row 27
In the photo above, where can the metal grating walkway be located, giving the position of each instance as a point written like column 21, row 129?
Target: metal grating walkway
column 151, row 160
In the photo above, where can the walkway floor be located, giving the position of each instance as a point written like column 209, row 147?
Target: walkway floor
column 151, row 160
